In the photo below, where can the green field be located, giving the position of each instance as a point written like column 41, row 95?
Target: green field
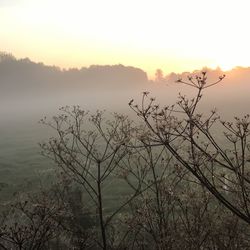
column 21, row 164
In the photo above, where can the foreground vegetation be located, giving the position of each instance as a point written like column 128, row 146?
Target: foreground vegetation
column 187, row 188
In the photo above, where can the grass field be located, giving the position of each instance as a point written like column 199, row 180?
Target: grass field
column 21, row 164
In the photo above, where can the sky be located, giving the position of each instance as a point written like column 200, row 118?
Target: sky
column 174, row 35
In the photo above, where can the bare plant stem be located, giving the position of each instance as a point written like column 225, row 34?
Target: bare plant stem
column 100, row 207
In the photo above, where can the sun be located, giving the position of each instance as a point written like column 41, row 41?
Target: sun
column 226, row 66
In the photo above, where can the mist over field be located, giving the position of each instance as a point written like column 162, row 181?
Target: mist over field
column 34, row 89
column 124, row 125
column 30, row 91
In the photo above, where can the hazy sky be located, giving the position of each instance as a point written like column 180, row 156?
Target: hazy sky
column 175, row 35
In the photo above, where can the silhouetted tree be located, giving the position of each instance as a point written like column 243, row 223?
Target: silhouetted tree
column 159, row 77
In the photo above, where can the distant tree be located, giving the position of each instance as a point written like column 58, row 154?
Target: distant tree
column 159, row 77
column 4, row 56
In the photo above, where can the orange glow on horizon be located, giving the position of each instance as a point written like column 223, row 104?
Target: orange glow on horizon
column 174, row 36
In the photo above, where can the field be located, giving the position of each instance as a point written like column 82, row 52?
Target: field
column 23, row 168
column 21, row 164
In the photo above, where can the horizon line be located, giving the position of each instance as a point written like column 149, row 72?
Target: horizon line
column 63, row 68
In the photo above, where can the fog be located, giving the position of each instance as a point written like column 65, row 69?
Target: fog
column 30, row 91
